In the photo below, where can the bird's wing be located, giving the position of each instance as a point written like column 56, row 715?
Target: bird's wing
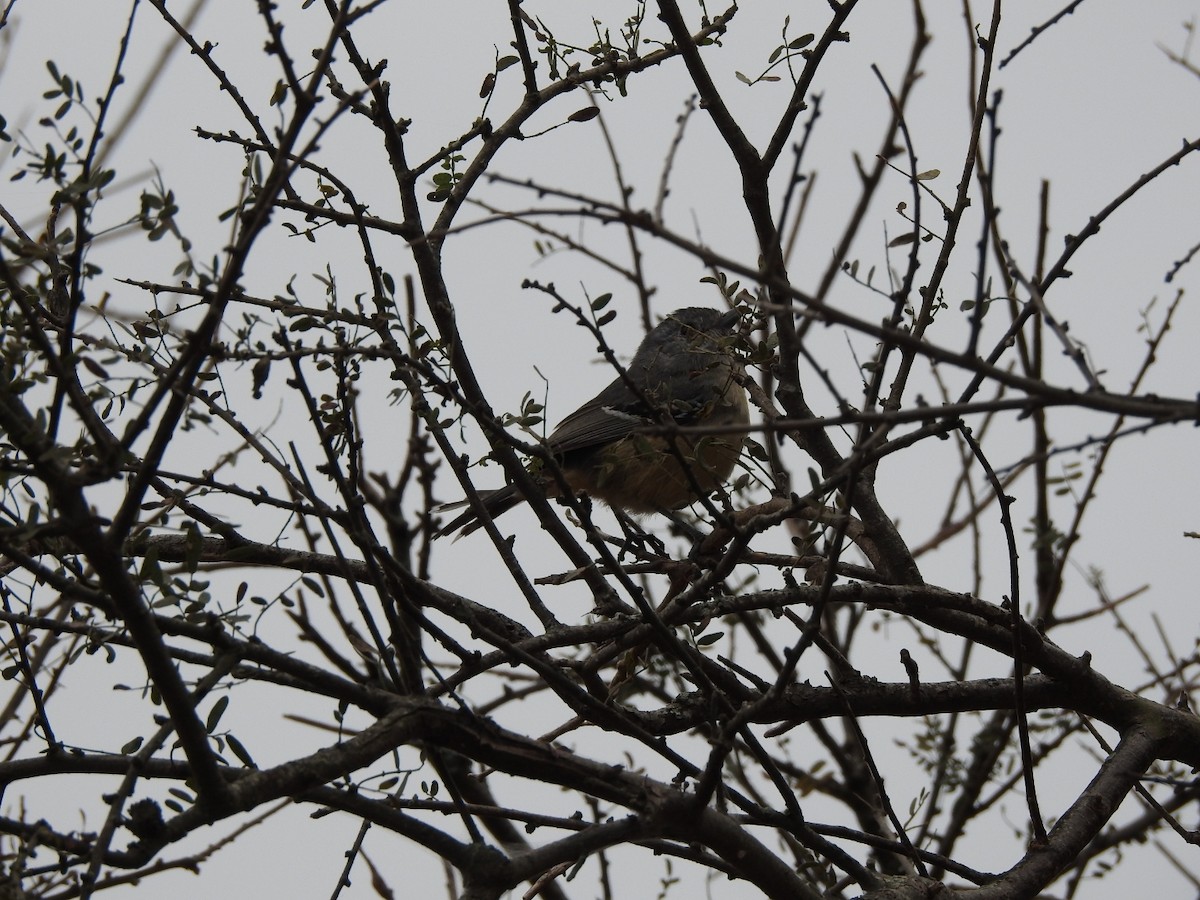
column 595, row 424
column 616, row 413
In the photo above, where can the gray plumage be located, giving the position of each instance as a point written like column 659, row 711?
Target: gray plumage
column 683, row 373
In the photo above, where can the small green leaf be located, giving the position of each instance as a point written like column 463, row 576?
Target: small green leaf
column 240, row 752
column 214, row 716
column 756, row 450
column 94, row 367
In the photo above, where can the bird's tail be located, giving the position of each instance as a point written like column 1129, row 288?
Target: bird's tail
column 495, row 503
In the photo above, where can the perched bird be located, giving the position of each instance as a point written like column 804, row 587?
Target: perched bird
column 684, row 374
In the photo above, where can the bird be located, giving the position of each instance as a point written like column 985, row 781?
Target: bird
column 684, row 373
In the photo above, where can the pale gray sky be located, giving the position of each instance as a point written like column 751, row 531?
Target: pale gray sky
column 1089, row 106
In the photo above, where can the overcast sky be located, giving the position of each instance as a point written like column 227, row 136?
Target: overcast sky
column 1089, row 106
